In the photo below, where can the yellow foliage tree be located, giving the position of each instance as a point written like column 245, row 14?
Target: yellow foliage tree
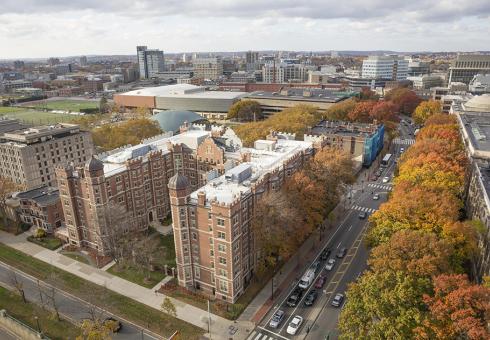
column 425, row 110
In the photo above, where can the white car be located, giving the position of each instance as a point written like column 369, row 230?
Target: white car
column 330, row 264
column 386, row 179
column 294, row 325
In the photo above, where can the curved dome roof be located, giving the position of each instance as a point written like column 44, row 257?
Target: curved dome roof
column 172, row 120
column 178, row 182
column 94, row 164
column 478, row 103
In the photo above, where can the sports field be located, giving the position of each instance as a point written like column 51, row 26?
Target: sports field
column 65, row 104
column 35, row 117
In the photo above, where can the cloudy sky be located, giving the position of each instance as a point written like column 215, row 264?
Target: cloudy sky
column 44, row 28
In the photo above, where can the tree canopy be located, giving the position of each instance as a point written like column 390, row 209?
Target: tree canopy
column 426, row 109
column 245, row 110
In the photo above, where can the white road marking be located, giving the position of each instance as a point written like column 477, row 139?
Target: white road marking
column 339, row 245
column 349, row 228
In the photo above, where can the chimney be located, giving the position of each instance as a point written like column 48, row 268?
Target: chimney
column 201, row 198
column 246, row 156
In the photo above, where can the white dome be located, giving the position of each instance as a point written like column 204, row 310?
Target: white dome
column 478, row 103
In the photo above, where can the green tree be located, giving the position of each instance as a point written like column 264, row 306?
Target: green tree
column 169, row 307
column 96, row 330
column 425, row 110
column 7, row 187
column 103, row 105
column 245, row 110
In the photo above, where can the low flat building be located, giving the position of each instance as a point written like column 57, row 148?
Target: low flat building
column 480, row 84
column 41, row 208
column 425, row 81
column 7, row 125
column 184, row 97
column 322, row 99
column 214, row 243
column 362, row 141
column 28, row 156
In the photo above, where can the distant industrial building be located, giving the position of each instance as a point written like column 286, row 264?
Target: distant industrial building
column 480, row 84
column 385, row 67
column 28, row 156
column 322, row 99
column 150, row 62
column 466, row 66
column 209, row 104
column 285, row 72
column 362, row 141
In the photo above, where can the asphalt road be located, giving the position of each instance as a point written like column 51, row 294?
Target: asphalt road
column 321, row 319
column 69, row 306
column 6, row 335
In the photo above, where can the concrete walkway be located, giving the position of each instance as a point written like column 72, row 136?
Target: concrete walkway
column 220, row 327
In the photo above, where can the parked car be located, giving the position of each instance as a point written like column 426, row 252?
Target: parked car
column 114, row 325
column 294, row 325
column 362, row 215
column 337, row 300
column 376, row 197
column 330, row 264
column 295, row 297
column 316, row 266
column 325, row 254
column 310, row 298
column 342, row 252
column 386, row 179
column 277, row 319
column 307, row 279
column 320, row 282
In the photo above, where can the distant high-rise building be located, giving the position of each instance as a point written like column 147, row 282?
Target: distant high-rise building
column 208, row 68
column 284, row 72
column 390, row 67
column 18, row 64
column 466, row 66
column 184, row 58
column 252, row 60
column 53, row 61
column 150, row 62
column 83, row 61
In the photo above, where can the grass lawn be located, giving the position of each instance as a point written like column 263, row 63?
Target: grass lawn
column 166, row 253
column 130, row 273
column 77, row 257
column 35, row 117
column 26, row 313
column 118, row 304
column 67, row 105
column 48, row 242
column 12, row 227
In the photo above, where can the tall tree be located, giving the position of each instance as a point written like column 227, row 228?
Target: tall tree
column 245, row 110
column 457, row 310
column 426, row 109
column 362, row 112
column 405, row 99
column 7, row 187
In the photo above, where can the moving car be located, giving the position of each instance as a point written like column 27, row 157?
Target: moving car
column 295, row 297
column 342, row 252
column 114, row 325
column 386, row 179
column 294, row 325
column 277, row 319
column 310, row 298
column 376, row 197
column 330, row 264
column 362, row 215
column 403, row 149
column 316, row 266
column 337, row 300
column 325, row 254
column 320, row 282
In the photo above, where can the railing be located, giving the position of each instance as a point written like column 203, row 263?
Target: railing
column 4, row 314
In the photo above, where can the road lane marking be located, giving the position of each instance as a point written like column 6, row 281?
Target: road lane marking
column 339, row 245
column 349, row 228
column 276, row 334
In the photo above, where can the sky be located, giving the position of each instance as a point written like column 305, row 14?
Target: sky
column 46, row 28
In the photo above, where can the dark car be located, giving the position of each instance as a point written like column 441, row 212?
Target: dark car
column 320, row 282
column 294, row 298
column 337, row 300
column 342, row 252
column 316, row 266
column 311, row 297
column 325, row 254
column 113, row 324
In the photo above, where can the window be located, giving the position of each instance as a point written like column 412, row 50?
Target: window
column 211, row 252
column 211, row 240
column 221, row 235
column 223, row 273
column 198, row 273
column 194, row 236
column 220, row 222
column 221, row 248
column 222, row 260
column 223, row 286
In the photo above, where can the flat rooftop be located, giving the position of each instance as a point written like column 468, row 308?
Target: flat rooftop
column 261, row 162
column 184, row 91
column 303, row 94
column 477, row 129
column 344, row 129
column 115, row 160
column 39, row 134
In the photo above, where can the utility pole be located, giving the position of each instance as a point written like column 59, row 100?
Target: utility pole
column 209, row 320
column 272, row 286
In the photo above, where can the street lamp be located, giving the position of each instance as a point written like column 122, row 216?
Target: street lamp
column 272, row 286
column 38, row 325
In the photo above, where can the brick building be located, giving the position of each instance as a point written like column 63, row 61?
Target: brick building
column 212, row 225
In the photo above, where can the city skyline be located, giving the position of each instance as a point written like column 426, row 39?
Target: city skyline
column 89, row 27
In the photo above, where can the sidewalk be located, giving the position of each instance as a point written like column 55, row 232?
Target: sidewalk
column 262, row 303
column 220, row 326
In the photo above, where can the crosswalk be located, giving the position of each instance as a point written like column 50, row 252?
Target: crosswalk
column 401, row 141
column 255, row 335
column 385, row 187
column 364, row 209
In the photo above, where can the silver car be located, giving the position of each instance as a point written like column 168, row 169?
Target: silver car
column 276, row 319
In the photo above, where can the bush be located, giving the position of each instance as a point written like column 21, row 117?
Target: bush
column 40, row 233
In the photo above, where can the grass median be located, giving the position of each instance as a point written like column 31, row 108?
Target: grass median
column 27, row 313
column 118, row 304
